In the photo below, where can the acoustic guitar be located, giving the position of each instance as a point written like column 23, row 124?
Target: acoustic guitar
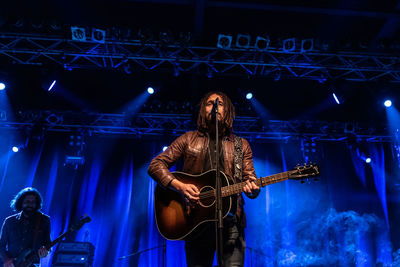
column 176, row 220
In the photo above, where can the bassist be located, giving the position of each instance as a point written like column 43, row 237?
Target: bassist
column 29, row 229
column 197, row 149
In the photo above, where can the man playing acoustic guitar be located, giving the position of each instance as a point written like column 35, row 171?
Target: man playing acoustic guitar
column 26, row 231
column 198, row 151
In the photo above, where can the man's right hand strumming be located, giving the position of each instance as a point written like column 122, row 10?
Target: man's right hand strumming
column 189, row 191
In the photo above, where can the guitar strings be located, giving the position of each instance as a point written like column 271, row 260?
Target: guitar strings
column 211, row 193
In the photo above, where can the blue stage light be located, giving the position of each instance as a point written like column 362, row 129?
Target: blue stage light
column 150, row 90
column 52, row 85
column 2, row 86
column 164, row 148
column 15, row 149
column 249, row 96
column 387, row 103
column 368, row 160
column 336, row 99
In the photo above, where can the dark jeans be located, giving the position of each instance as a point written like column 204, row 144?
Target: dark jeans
column 200, row 246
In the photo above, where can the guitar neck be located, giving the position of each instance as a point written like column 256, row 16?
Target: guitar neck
column 58, row 239
column 263, row 181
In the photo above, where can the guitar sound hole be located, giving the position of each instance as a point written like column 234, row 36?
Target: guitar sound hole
column 207, row 198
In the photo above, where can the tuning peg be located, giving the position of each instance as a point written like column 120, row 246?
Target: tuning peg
column 302, row 181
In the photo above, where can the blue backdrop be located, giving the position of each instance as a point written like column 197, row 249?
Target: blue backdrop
column 346, row 218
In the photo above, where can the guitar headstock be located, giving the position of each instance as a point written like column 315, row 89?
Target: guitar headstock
column 79, row 224
column 301, row 172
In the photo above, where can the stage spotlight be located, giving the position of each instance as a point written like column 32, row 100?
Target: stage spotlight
column 388, row 103
column 99, row 36
column 51, row 85
column 249, row 96
column 74, row 160
column 307, row 45
column 53, row 119
column 336, row 98
column 224, row 41
column 164, row 148
column 78, row 34
column 289, row 45
column 261, row 43
column 368, row 160
column 37, row 24
column 15, row 149
column 19, row 23
column 2, row 86
column 55, row 25
column 243, row 41
column 150, row 90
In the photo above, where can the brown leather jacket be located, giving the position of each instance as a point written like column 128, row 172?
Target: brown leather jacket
column 193, row 147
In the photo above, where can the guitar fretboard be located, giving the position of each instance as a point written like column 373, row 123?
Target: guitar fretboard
column 263, row 181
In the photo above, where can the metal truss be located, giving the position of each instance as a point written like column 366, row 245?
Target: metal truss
column 156, row 124
column 176, row 58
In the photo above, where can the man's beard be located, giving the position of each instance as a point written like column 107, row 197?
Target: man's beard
column 28, row 211
column 211, row 126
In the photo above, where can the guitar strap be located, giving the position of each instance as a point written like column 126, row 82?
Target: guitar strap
column 238, row 171
column 238, row 160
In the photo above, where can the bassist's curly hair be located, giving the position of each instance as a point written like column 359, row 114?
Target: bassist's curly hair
column 16, row 203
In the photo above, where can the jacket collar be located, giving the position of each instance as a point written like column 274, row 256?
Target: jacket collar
column 230, row 137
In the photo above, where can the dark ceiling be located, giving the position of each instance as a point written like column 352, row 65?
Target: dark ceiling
column 345, row 19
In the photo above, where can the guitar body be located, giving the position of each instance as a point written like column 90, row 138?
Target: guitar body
column 176, row 220
column 26, row 258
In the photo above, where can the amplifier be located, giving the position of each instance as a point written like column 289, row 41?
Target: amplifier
column 72, row 258
column 73, row 254
column 76, row 247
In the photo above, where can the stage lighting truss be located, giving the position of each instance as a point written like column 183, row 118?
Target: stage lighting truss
column 157, row 124
column 263, row 60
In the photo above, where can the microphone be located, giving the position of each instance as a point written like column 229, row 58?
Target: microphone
column 214, row 109
column 215, row 105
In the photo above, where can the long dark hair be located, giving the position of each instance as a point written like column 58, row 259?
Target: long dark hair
column 227, row 120
column 16, row 203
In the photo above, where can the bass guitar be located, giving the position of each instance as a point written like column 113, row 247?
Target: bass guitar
column 175, row 219
column 29, row 256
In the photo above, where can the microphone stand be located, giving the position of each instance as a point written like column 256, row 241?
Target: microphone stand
column 218, row 196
